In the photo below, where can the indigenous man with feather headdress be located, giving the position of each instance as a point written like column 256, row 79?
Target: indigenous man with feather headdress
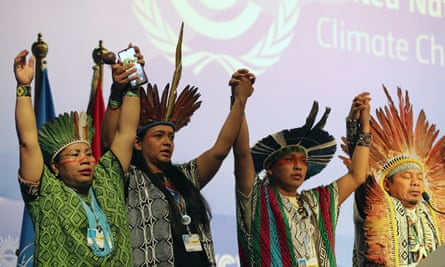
column 277, row 225
column 394, row 227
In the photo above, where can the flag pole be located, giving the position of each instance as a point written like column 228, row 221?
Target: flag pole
column 96, row 107
column 98, row 54
column 39, row 50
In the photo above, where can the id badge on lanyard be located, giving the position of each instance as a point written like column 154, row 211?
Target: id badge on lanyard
column 192, row 243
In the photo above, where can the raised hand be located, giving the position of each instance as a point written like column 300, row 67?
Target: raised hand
column 24, row 71
column 121, row 72
column 360, row 110
column 241, row 83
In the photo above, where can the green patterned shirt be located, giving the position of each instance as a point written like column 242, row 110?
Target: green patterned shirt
column 61, row 224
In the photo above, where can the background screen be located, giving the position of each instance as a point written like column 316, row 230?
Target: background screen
column 300, row 50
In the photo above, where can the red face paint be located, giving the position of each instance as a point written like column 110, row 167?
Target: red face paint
column 71, row 160
column 290, row 159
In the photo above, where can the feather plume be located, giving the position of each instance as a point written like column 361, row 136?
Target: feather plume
column 167, row 107
column 378, row 228
column 176, row 75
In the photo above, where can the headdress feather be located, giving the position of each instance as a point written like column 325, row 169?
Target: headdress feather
column 66, row 129
column 396, row 141
column 176, row 75
column 318, row 145
column 379, row 230
column 169, row 109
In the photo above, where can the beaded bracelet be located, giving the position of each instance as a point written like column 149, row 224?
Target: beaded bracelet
column 352, row 129
column 364, row 139
column 23, row 90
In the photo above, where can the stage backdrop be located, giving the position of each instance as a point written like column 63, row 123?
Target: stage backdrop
column 300, row 50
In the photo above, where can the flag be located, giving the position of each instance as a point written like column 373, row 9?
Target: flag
column 44, row 112
column 96, row 109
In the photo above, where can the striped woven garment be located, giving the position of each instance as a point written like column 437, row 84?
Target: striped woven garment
column 271, row 240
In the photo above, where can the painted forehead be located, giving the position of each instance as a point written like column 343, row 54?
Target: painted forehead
column 291, row 150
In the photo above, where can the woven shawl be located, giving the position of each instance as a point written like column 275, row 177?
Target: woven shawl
column 271, row 243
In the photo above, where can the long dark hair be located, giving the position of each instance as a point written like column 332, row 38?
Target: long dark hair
column 197, row 207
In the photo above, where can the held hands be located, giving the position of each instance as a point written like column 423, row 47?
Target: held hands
column 24, row 71
column 241, row 83
column 121, row 73
column 360, row 110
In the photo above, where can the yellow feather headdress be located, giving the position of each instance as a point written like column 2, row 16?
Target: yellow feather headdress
column 397, row 140
column 399, row 143
column 168, row 109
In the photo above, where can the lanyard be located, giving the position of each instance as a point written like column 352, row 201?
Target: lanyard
column 180, row 201
column 97, row 225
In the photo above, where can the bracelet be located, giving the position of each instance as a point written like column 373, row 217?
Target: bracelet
column 352, row 129
column 133, row 92
column 23, row 90
column 114, row 104
column 115, row 99
column 364, row 139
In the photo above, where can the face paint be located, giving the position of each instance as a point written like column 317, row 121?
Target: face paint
column 290, row 159
column 70, row 161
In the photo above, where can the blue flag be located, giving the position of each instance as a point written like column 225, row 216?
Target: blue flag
column 44, row 112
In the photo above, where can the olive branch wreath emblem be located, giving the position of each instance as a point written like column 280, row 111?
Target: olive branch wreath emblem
column 262, row 55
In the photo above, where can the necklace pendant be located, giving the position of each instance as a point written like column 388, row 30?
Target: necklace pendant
column 186, row 220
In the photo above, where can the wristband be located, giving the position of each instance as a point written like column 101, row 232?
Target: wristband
column 115, row 99
column 23, row 90
column 133, row 92
column 364, row 139
column 113, row 104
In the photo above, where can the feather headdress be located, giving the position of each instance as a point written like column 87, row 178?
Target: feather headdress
column 168, row 109
column 398, row 141
column 317, row 144
column 399, row 144
column 66, row 129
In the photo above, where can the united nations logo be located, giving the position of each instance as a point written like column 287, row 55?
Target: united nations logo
column 268, row 42
column 8, row 246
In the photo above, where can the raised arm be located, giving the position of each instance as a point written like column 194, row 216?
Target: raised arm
column 31, row 159
column 244, row 168
column 122, row 115
column 122, row 145
column 121, row 80
column 360, row 110
column 210, row 161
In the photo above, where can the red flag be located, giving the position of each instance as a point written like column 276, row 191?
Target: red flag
column 96, row 109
